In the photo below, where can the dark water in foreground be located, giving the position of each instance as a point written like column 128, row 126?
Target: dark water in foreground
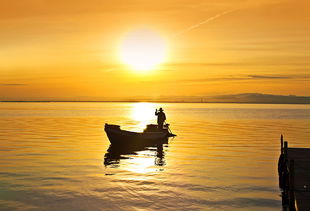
column 52, row 156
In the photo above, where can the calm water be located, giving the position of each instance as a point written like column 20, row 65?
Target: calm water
column 54, row 156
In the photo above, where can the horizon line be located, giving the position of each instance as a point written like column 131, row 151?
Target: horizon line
column 139, row 101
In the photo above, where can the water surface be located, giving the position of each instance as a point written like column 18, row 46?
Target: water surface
column 56, row 156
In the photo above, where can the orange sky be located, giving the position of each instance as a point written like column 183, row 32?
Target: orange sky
column 68, row 50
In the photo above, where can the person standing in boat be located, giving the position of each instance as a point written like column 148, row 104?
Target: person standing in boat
column 161, row 117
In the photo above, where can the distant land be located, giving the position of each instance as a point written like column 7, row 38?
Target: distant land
column 233, row 98
column 242, row 98
column 260, row 98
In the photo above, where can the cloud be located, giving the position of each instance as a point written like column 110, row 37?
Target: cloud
column 250, row 77
column 243, row 5
column 208, row 20
column 262, row 62
column 13, row 84
column 231, row 78
column 192, row 64
column 268, row 77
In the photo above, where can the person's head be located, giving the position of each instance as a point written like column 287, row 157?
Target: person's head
column 161, row 109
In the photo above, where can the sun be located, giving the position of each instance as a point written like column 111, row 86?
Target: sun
column 143, row 50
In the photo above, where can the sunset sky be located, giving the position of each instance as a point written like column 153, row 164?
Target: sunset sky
column 72, row 50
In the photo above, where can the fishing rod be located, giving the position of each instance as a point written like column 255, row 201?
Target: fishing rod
column 167, row 125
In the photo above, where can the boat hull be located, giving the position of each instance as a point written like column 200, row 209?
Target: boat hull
column 122, row 137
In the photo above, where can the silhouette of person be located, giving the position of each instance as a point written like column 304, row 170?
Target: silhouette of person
column 161, row 117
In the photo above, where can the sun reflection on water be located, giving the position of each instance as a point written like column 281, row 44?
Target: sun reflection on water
column 143, row 113
column 141, row 165
column 136, row 159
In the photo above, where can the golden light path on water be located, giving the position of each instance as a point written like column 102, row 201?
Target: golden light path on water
column 143, row 113
column 140, row 164
column 56, row 156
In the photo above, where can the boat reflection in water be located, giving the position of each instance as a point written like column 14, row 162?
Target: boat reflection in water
column 138, row 153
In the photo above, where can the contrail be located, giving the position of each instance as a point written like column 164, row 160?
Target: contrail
column 204, row 22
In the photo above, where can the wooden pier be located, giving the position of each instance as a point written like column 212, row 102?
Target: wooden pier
column 294, row 177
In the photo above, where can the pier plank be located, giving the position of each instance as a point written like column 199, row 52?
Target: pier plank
column 301, row 157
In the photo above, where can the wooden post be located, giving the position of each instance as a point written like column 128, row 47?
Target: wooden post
column 291, row 186
column 285, row 168
column 281, row 167
column 281, row 144
column 285, row 149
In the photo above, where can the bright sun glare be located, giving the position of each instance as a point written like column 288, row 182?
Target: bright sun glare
column 143, row 113
column 143, row 50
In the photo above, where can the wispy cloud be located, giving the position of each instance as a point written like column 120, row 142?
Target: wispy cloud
column 232, row 78
column 250, row 77
column 13, row 84
column 268, row 77
column 208, row 20
column 278, row 61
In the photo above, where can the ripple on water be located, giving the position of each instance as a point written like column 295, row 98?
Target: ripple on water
column 53, row 156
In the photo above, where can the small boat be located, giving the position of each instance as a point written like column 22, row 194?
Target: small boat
column 150, row 135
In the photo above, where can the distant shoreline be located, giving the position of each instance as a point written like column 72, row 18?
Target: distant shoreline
column 146, row 101
column 244, row 98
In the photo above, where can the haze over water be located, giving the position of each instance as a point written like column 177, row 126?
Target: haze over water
column 54, row 156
